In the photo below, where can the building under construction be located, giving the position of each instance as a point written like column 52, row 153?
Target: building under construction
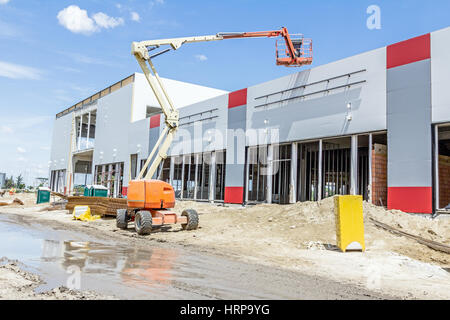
column 375, row 124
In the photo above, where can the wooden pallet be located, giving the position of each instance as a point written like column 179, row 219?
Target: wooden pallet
column 98, row 205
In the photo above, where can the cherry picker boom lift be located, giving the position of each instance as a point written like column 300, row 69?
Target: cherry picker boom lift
column 148, row 200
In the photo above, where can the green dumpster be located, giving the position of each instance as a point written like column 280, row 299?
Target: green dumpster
column 87, row 191
column 43, row 195
column 99, row 191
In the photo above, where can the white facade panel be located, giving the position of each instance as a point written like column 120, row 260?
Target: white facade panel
column 440, row 75
column 138, row 143
column 59, row 155
column 111, row 138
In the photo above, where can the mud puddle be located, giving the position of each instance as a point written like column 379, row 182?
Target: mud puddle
column 70, row 258
column 64, row 258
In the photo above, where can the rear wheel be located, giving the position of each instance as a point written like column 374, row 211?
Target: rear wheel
column 192, row 219
column 143, row 222
column 122, row 219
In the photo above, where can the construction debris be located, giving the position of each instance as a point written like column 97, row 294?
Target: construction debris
column 83, row 213
column 99, row 205
column 58, row 205
column 61, row 195
column 18, row 201
column 15, row 201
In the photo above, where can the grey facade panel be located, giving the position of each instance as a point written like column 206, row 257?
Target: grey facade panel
column 417, row 74
column 295, row 120
column 358, row 82
column 237, row 117
column 410, row 173
column 409, row 125
column 153, row 138
column 235, row 163
column 234, row 175
column 209, row 120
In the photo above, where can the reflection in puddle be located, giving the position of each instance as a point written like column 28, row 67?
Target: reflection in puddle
column 106, row 268
column 135, row 266
column 124, row 271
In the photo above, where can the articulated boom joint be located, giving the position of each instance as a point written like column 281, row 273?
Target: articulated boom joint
column 140, row 50
column 172, row 119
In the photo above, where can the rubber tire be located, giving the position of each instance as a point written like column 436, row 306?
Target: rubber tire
column 122, row 219
column 143, row 222
column 192, row 219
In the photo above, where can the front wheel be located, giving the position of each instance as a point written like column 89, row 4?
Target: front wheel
column 143, row 222
column 192, row 219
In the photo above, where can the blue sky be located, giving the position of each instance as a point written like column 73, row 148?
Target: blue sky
column 52, row 55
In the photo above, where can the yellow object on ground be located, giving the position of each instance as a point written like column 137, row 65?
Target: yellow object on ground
column 83, row 213
column 349, row 223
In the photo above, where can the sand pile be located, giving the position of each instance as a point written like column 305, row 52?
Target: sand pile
column 423, row 226
column 310, row 225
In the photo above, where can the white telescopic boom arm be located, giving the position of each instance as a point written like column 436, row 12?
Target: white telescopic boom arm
column 141, row 51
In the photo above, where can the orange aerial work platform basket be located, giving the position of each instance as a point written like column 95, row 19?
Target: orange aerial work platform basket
column 294, row 51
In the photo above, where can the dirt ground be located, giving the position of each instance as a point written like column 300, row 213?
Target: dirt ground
column 15, row 283
column 299, row 237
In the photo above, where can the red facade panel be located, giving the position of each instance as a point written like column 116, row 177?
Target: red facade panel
column 155, row 121
column 124, row 191
column 409, row 51
column 411, row 199
column 234, row 195
column 237, row 98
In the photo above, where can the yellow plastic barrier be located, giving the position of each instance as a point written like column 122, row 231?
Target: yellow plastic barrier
column 83, row 213
column 349, row 223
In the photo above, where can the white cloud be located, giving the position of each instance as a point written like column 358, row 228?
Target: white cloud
column 201, row 57
column 4, row 1
column 77, row 20
column 16, row 71
column 135, row 16
column 107, row 22
column 21, row 150
column 22, row 159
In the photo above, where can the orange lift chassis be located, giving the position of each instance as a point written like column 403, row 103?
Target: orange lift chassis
column 149, row 201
